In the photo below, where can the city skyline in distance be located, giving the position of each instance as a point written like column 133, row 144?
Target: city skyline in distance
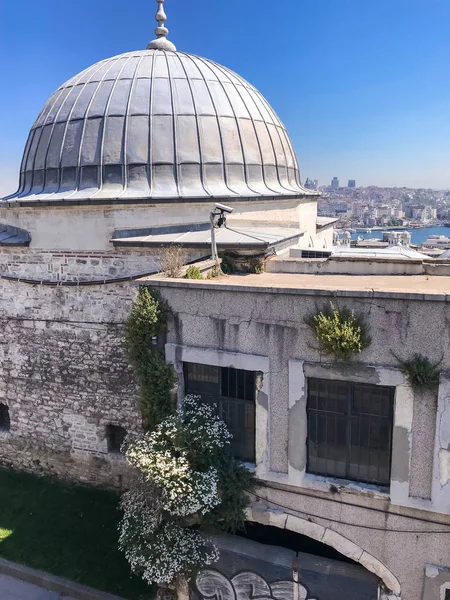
column 372, row 105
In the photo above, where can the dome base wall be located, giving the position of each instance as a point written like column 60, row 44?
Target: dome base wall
column 82, row 228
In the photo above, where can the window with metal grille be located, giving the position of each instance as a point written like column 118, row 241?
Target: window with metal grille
column 350, row 430
column 315, row 254
column 4, row 418
column 234, row 393
column 115, row 436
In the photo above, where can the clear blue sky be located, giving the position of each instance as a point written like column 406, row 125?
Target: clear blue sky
column 363, row 86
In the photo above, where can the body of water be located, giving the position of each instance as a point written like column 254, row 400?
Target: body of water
column 418, row 236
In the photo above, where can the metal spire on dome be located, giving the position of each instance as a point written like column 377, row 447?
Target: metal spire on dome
column 161, row 42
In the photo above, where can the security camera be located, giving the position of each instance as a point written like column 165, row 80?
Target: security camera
column 224, row 208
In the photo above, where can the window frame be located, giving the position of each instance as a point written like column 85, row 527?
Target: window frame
column 224, row 401
column 350, row 415
column 113, row 433
column 5, row 418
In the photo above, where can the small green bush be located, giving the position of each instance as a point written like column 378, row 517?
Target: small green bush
column 228, row 266
column 257, row 266
column 340, row 332
column 214, row 272
column 420, row 371
column 193, row 272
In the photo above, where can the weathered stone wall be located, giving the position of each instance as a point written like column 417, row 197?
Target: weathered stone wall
column 65, row 265
column 65, row 378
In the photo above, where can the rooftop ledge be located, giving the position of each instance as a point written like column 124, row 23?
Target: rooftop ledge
column 420, row 287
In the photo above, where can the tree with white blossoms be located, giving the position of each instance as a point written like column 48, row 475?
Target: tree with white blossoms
column 189, row 485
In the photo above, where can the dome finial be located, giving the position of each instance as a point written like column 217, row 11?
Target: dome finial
column 161, row 42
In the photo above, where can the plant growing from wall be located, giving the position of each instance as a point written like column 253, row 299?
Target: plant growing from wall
column 171, row 260
column 257, row 266
column 193, row 272
column 214, row 272
column 420, row 371
column 189, row 485
column 340, row 332
column 228, row 266
column 148, row 321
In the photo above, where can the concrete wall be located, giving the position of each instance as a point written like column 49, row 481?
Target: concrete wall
column 324, row 238
column 226, row 325
column 356, row 266
column 90, row 228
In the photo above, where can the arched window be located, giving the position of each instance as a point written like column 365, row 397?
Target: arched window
column 4, row 418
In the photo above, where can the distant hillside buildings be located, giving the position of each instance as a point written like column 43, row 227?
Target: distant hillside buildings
column 312, row 184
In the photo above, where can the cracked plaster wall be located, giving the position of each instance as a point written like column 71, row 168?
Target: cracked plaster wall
column 441, row 470
column 272, row 325
column 422, row 452
column 437, row 582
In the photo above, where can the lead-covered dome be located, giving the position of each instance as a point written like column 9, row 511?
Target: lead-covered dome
column 157, row 125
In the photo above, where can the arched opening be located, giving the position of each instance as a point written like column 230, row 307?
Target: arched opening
column 274, row 536
column 349, row 551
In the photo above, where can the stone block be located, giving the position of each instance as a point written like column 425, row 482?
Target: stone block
column 375, row 566
column 304, row 527
column 342, row 544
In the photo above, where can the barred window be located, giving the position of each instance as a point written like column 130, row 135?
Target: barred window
column 4, row 418
column 234, row 393
column 315, row 254
column 350, row 430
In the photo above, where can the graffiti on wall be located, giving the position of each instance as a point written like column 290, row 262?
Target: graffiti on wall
column 247, row 585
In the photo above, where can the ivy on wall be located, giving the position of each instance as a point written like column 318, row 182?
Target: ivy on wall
column 340, row 332
column 147, row 322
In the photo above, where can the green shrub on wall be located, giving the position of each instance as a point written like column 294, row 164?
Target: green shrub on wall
column 193, row 272
column 149, row 320
column 340, row 332
column 420, row 371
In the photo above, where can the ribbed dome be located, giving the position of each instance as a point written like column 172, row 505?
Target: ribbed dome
column 157, row 125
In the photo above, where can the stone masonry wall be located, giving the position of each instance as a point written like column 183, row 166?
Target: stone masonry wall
column 65, row 378
column 83, row 266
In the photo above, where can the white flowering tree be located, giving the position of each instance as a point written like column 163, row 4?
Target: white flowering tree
column 189, row 484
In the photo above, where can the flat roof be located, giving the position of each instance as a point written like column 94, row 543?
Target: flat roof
column 198, row 235
column 408, row 287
